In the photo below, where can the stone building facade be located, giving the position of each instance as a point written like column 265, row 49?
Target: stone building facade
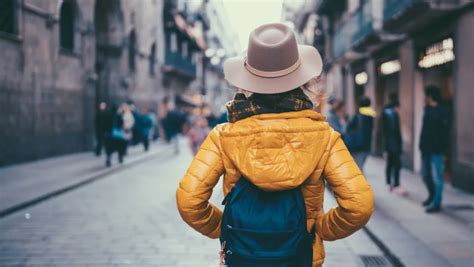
column 376, row 48
column 46, row 80
column 59, row 58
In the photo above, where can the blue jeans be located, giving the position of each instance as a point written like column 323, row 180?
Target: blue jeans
column 432, row 171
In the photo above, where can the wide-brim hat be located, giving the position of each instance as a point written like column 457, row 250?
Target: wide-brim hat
column 273, row 63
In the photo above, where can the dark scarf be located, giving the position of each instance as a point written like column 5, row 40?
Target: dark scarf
column 242, row 107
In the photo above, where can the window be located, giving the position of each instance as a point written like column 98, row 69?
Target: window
column 66, row 25
column 184, row 50
column 173, row 43
column 132, row 47
column 8, row 16
column 152, row 59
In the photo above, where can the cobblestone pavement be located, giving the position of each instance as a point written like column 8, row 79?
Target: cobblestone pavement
column 129, row 218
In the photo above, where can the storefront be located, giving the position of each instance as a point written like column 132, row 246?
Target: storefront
column 436, row 63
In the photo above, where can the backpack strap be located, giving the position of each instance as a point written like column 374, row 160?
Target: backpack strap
column 240, row 185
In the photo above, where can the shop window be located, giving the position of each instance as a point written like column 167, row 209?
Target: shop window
column 8, row 16
column 132, row 47
column 66, row 25
column 152, row 59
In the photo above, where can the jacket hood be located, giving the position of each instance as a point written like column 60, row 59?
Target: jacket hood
column 276, row 151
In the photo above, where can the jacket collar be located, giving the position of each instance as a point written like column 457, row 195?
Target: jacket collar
column 291, row 115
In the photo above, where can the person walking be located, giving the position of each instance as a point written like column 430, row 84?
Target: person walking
column 433, row 143
column 103, row 125
column 336, row 115
column 120, row 135
column 146, row 121
column 198, row 132
column 174, row 123
column 275, row 154
column 359, row 132
column 393, row 144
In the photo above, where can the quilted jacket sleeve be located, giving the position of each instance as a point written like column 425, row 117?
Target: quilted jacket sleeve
column 353, row 194
column 195, row 189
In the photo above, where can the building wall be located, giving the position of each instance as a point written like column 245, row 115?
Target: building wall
column 48, row 96
column 463, row 167
column 45, row 93
column 117, row 81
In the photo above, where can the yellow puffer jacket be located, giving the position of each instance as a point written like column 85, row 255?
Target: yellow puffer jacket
column 279, row 152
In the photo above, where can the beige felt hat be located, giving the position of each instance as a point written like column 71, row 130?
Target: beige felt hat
column 274, row 62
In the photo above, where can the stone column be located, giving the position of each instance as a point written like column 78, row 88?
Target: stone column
column 349, row 93
column 370, row 92
column 406, row 95
column 463, row 161
column 371, row 85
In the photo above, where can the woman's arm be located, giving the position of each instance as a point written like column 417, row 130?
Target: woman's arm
column 195, row 189
column 353, row 194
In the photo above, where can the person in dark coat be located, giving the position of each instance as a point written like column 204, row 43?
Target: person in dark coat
column 433, row 144
column 146, row 125
column 103, row 125
column 173, row 124
column 393, row 143
column 359, row 132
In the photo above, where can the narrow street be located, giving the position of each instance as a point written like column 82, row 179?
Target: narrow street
column 126, row 218
column 129, row 218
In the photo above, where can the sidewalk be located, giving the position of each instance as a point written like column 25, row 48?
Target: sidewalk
column 418, row 238
column 29, row 182
column 356, row 250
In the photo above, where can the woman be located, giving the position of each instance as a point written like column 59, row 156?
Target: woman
column 121, row 133
column 278, row 143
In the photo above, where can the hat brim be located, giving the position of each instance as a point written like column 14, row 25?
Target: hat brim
column 237, row 75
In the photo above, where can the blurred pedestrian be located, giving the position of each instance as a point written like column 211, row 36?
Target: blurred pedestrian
column 393, row 143
column 276, row 154
column 120, row 135
column 146, row 126
column 336, row 116
column 222, row 117
column 103, row 125
column 136, row 136
column 358, row 136
column 434, row 140
column 173, row 124
column 198, row 132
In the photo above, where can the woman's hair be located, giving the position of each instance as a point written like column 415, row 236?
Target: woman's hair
column 312, row 90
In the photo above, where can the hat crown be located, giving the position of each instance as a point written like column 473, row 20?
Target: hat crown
column 272, row 47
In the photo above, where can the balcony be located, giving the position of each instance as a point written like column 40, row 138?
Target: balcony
column 356, row 33
column 342, row 41
column 364, row 25
column 402, row 16
column 175, row 63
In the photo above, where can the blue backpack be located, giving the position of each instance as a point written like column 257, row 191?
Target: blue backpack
column 261, row 228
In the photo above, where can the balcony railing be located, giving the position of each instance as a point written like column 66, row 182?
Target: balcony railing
column 393, row 8
column 354, row 30
column 363, row 20
column 343, row 38
column 175, row 62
